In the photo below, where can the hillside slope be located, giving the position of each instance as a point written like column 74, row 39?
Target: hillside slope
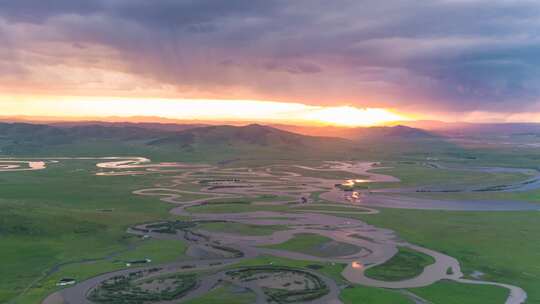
column 199, row 143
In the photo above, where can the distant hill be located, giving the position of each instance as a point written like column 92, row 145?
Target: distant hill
column 474, row 129
column 363, row 133
column 47, row 134
column 145, row 125
column 416, row 130
column 253, row 134
column 224, row 143
column 255, row 141
column 399, row 131
column 208, row 143
column 26, row 139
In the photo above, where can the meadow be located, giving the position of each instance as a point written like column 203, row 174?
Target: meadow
column 67, row 222
column 501, row 245
column 63, row 215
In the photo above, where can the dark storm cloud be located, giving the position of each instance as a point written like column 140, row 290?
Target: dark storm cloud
column 454, row 55
column 39, row 11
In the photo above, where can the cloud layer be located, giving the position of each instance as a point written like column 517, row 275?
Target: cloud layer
column 446, row 55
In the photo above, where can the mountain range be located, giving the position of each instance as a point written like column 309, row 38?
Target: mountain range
column 149, row 139
column 198, row 142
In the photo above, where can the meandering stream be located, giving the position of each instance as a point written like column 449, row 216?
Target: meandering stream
column 376, row 245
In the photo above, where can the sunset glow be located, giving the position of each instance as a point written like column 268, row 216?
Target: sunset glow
column 199, row 109
column 271, row 62
column 351, row 116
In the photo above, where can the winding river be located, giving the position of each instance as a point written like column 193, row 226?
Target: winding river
column 375, row 245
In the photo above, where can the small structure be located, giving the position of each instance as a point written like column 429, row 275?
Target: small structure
column 66, row 282
column 137, row 262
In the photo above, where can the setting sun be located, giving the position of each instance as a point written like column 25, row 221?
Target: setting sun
column 351, row 116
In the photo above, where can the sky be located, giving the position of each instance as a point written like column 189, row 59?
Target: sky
column 342, row 62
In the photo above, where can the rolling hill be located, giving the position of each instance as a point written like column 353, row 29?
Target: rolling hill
column 399, row 132
column 207, row 142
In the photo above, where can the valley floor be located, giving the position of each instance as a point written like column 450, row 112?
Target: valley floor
column 266, row 233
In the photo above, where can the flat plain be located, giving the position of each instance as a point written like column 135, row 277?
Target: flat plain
column 242, row 224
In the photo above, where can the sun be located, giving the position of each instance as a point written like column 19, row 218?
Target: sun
column 351, row 116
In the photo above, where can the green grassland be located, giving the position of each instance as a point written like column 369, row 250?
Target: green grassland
column 224, row 295
column 417, row 174
column 442, row 292
column 451, row 152
column 200, row 152
column 159, row 251
column 406, row 264
column 66, row 214
column 206, row 150
column 315, row 245
column 368, row 295
column 329, row 207
column 503, row 245
column 525, row 196
column 449, row 292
